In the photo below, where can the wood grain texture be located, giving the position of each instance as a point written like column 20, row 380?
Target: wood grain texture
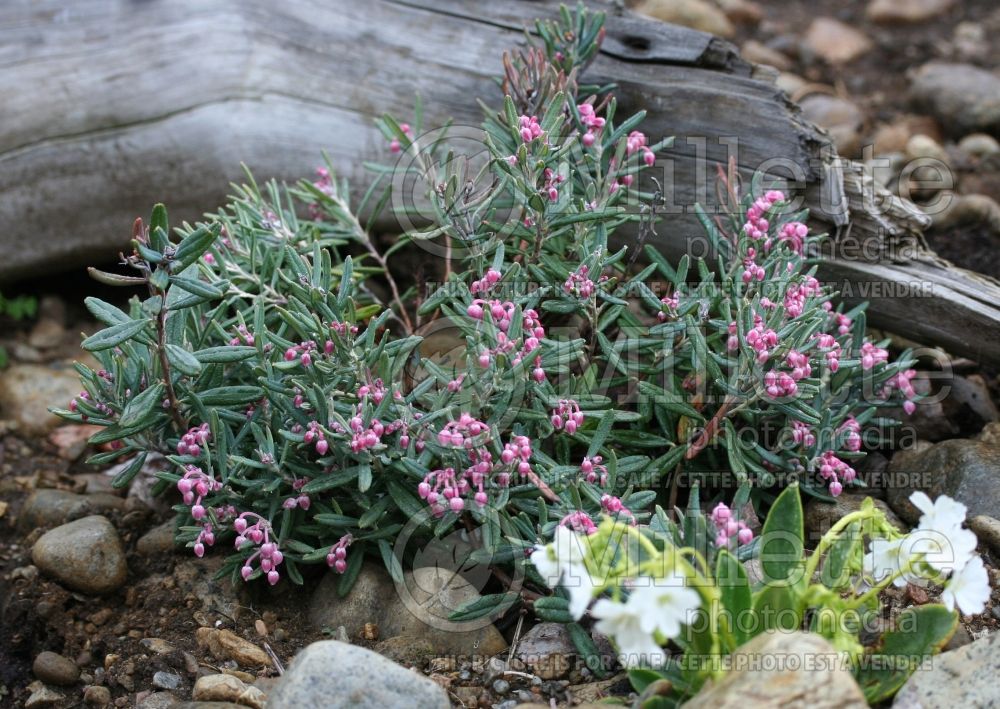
column 112, row 105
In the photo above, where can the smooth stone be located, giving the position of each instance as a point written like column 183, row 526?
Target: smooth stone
column 53, row 668
column 85, row 555
column 834, row 41
column 987, row 530
column 979, row 145
column 966, row 470
column 333, row 675
column 963, row 97
column 841, row 118
column 696, row 14
column 158, row 540
column 96, row 696
column 166, row 680
column 28, row 390
column 226, row 688
column 894, row 11
column 45, row 507
column 433, row 591
column 966, row 677
column 547, row 650
column 783, row 685
column 227, row 645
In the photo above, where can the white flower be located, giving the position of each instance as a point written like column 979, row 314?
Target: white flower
column 942, row 515
column 969, row 588
column 621, row 622
column 665, row 604
column 943, row 550
column 561, row 564
column 885, row 558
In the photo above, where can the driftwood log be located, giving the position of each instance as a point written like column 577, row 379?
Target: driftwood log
column 112, row 105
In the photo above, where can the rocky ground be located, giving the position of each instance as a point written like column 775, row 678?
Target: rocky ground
column 99, row 609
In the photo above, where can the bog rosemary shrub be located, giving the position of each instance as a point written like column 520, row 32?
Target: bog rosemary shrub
column 303, row 424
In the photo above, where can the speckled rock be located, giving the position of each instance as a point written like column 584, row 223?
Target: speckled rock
column 820, row 515
column 85, row 555
column 227, row 645
column 963, row 97
column 783, row 685
column 967, row 470
column 966, row 677
column 335, row 675
column 547, row 650
column 226, row 688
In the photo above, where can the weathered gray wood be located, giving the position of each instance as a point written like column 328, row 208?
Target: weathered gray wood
column 110, row 106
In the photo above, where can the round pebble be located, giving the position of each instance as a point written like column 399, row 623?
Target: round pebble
column 53, row 668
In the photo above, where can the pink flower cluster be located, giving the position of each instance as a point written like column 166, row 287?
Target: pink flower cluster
column 192, row 441
column 793, row 234
column 552, row 182
column 336, row 558
column 304, row 352
column 637, row 142
column 567, row 415
column 668, row 306
column 502, row 312
column 842, row 322
column 760, row 338
column 798, row 293
column 591, row 121
column 394, row 145
column 489, row 279
column 314, row 435
column 853, row 429
column 779, row 385
column 529, row 128
column 728, row 526
column 243, row 336
column 756, row 225
column 835, row 470
column 301, row 501
column 872, row 355
column 99, row 405
column 579, row 284
column 802, row 434
column 259, row 533
column 831, row 349
column 903, row 383
column 593, row 470
column 799, row 364
column 613, row 506
column 751, row 271
column 579, row 521
column 194, row 485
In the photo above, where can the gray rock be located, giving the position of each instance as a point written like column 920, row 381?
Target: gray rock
column 85, row 555
column 158, row 540
column 979, row 145
column 53, row 668
column 157, row 700
column 43, row 697
column 96, row 696
column 547, row 650
column 418, row 609
column 787, row 685
column 45, row 508
column 987, row 530
column 335, row 675
column 968, row 471
column 964, row 98
column 820, row 515
column 166, row 680
column 841, row 118
column 28, row 390
column 226, row 688
column 834, row 41
column 966, row 677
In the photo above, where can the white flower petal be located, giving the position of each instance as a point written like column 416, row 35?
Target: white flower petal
column 969, row 588
column 547, row 565
column 922, row 502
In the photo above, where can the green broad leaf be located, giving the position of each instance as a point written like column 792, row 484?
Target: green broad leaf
column 491, row 605
column 835, row 572
column 601, row 433
column 225, row 354
column 183, row 361
column 554, row 609
column 775, row 607
column 159, row 228
column 737, row 599
column 921, row 632
column 114, row 335
column 106, row 312
column 128, row 473
column 231, row 395
column 334, row 520
column 781, row 539
column 587, row 649
column 142, row 405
